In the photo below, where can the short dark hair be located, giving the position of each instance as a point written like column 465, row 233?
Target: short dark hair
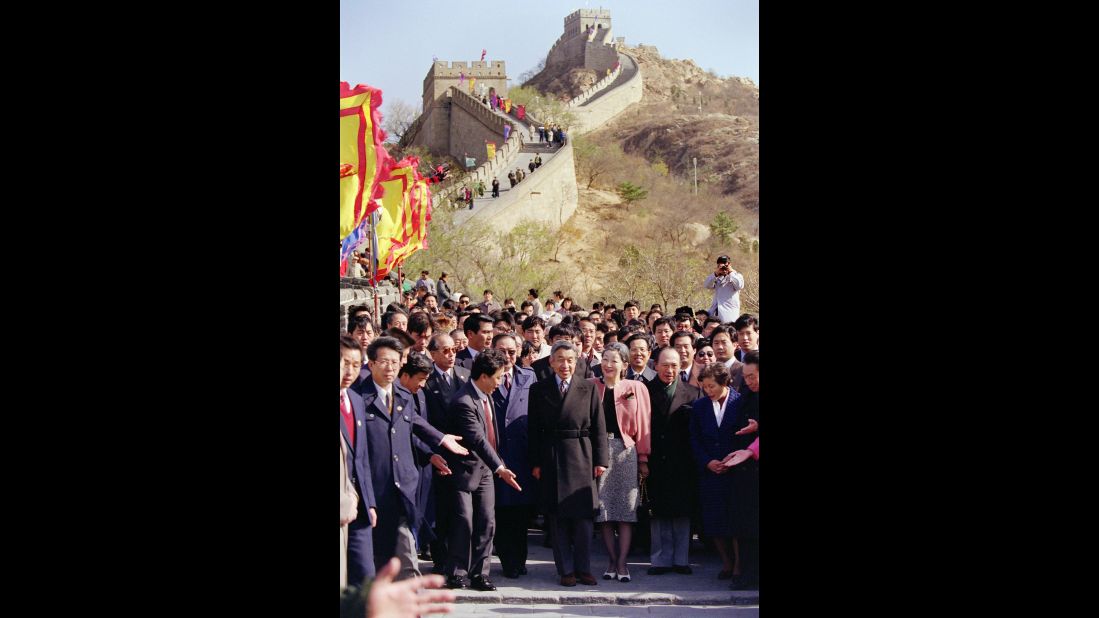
column 533, row 321
column 751, row 358
column 360, row 322
column 487, row 363
column 665, row 321
column 417, row 363
column 629, row 303
column 563, row 330
column 433, row 343
column 533, row 292
column 711, row 319
column 646, row 337
column 602, row 328
column 525, row 304
column 684, row 309
column 681, row 334
column 349, row 343
column 747, row 320
column 503, row 316
column 400, row 335
column 473, row 322
column 387, row 318
column 487, row 292
column 419, row 323
column 597, row 305
column 388, row 343
column 499, row 336
column 730, row 333
column 353, row 309
column 528, row 348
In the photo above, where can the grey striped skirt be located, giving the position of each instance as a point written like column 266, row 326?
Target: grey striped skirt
column 618, row 493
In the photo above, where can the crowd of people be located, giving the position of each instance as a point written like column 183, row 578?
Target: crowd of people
column 463, row 426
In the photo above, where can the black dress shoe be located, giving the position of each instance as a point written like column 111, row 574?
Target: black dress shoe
column 511, row 573
column 456, row 582
column 658, row 570
column 682, row 570
column 482, row 584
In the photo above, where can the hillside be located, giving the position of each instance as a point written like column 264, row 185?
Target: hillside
column 668, row 127
column 651, row 145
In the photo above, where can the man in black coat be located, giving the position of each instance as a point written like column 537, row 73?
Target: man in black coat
column 472, row 521
column 568, row 448
column 443, row 382
column 672, row 472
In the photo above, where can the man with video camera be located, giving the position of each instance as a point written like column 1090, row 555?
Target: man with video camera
column 726, row 284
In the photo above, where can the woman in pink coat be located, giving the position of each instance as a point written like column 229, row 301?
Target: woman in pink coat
column 627, row 412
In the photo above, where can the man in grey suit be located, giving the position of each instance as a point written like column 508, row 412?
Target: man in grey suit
column 473, row 523
column 514, row 509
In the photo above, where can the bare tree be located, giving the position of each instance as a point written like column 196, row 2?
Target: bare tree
column 398, row 116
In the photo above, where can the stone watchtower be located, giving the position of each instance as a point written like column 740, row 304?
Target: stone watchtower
column 586, row 42
column 459, row 127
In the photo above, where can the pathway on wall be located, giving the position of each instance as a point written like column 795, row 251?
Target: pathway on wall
column 508, row 193
column 629, row 69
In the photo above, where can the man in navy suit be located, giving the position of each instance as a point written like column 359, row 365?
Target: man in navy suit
column 412, row 377
column 514, row 509
column 472, row 416
column 360, row 546
column 389, row 424
column 445, row 379
column 479, row 332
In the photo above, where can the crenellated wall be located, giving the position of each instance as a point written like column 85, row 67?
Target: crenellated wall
column 443, row 75
column 586, row 42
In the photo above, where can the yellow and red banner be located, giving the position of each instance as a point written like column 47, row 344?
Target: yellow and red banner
column 491, row 147
column 405, row 211
column 363, row 160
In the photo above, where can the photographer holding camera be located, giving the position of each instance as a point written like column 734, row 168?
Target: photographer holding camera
column 726, row 284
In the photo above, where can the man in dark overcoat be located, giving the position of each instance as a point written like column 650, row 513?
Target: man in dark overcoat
column 568, row 449
column 672, row 480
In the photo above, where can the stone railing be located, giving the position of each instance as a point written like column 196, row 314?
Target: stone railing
column 360, row 292
column 588, row 93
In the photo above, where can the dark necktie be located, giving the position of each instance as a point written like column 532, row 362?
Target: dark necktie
column 488, row 422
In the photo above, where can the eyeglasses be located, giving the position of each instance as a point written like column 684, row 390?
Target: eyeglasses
column 385, row 362
column 448, row 350
column 705, row 354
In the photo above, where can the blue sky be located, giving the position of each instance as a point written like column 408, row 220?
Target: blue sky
column 391, row 48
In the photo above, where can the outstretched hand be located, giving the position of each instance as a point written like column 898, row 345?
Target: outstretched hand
column 407, row 598
column 752, row 427
column 450, row 441
column 509, row 477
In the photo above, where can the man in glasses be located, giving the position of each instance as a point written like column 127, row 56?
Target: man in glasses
column 444, row 380
column 513, row 508
column 388, row 428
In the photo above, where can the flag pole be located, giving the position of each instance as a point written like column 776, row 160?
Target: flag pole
column 374, row 259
